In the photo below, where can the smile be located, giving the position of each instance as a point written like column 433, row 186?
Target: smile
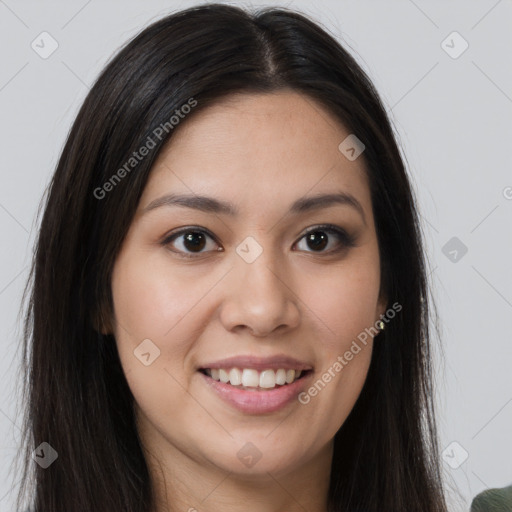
column 249, row 378
column 254, row 392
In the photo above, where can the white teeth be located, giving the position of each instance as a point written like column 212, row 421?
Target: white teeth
column 268, row 379
column 235, row 377
column 250, row 378
column 281, row 377
column 247, row 377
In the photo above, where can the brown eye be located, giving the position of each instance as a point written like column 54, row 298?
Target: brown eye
column 189, row 241
column 318, row 238
column 194, row 241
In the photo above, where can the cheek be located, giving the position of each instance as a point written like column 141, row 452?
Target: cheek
column 144, row 304
column 154, row 299
column 343, row 302
column 154, row 313
column 151, row 310
column 343, row 306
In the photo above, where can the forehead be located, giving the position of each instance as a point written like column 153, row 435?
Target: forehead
column 258, row 149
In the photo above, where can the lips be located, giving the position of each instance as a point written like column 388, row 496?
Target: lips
column 256, row 385
column 258, row 400
column 258, row 363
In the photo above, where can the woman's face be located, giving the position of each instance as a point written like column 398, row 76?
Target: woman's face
column 251, row 284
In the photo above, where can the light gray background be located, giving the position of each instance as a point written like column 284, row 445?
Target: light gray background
column 452, row 116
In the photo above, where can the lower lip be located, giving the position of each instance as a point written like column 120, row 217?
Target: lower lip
column 257, row 402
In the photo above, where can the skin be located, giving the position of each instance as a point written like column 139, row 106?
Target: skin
column 261, row 152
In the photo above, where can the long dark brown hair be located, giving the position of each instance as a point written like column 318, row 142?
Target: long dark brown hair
column 74, row 393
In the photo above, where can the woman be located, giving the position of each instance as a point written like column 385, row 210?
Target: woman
column 229, row 304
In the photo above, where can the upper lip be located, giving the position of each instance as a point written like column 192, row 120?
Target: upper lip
column 259, row 363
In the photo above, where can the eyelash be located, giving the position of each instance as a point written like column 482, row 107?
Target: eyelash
column 346, row 239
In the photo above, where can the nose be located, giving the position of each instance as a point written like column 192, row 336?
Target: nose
column 260, row 297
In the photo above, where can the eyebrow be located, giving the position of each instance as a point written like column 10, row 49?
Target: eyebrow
column 213, row 205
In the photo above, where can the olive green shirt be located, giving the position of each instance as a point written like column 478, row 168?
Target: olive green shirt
column 493, row 500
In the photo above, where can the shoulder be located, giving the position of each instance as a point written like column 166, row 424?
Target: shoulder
column 493, row 500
